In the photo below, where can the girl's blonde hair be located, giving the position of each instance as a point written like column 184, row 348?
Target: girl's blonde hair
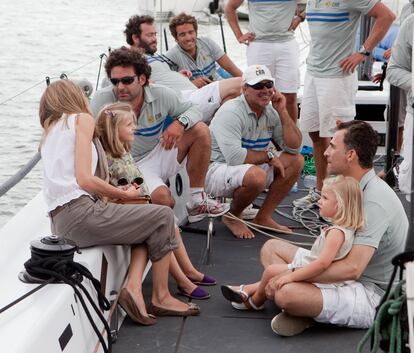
column 60, row 99
column 348, row 193
column 107, row 127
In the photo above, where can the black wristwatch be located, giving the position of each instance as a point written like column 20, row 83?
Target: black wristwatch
column 363, row 51
column 184, row 121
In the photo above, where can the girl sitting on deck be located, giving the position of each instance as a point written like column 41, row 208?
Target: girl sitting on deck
column 75, row 189
column 341, row 202
column 115, row 126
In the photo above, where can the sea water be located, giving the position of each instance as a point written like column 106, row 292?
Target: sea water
column 47, row 38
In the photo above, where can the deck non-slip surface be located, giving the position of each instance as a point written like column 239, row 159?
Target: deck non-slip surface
column 220, row 328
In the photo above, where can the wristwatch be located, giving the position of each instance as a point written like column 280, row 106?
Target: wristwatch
column 184, row 121
column 270, row 156
column 363, row 51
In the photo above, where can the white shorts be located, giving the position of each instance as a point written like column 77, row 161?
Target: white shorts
column 207, row 98
column 282, row 59
column 222, row 179
column 160, row 165
column 326, row 100
column 352, row 304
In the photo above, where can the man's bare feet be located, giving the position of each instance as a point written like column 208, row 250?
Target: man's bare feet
column 270, row 222
column 238, row 228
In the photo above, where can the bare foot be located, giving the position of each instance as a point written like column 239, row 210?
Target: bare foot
column 170, row 303
column 270, row 222
column 187, row 285
column 239, row 229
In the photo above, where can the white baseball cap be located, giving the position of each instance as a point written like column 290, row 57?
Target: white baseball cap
column 256, row 73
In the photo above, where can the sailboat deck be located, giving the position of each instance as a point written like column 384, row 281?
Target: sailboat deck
column 220, row 328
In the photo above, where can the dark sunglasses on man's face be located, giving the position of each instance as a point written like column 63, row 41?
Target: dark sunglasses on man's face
column 126, row 80
column 261, row 85
column 124, row 181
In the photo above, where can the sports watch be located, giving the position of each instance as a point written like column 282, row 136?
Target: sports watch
column 184, row 121
column 363, row 51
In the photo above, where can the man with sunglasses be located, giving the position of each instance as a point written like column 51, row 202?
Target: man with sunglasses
column 141, row 33
column 160, row 151
column 242, row 165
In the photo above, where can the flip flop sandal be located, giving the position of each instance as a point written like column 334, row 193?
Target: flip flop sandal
column 244, row 306
column 233, row 295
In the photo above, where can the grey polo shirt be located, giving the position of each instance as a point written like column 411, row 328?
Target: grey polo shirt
column 271, row 19
column 406, row 11
column 160, row 104
column 208, row 52
column 399, row 66
column 333, row 26
column 386, row 227
column 235, row 129
column 164, row 72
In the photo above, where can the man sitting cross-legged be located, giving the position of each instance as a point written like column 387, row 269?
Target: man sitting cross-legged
column 366, row 269
column 242, row 165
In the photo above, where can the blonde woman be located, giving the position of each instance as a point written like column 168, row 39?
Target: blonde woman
column 75, row 189
column 341, row 202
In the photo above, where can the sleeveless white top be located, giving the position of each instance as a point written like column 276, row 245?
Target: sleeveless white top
column 320, row 243
column 58, row 157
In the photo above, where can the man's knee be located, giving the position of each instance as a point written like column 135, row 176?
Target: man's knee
column 295, row 162
column 285, row 297
column 200, row 132
column 162, row 196
column 230, row 87
column 255, row 179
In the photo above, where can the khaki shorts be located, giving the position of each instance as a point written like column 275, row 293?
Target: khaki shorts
column 88, row 223
column 326, row 100
column 350, row 304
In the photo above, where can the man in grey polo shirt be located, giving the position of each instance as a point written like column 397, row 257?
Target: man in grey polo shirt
column 160, row 151
column 200, row 55
column 271, row 41
column 367, row 268
column 242, row 164
column 399, row 74
column 141, row 33
column 330, row 81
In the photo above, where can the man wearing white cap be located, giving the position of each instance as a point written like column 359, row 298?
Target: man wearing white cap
column 242, row 165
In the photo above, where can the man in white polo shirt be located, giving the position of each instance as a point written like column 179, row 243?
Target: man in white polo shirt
column 242, row 165
column 331, row 81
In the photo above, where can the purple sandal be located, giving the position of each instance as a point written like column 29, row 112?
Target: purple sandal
column 198, row 293
column 206, row 281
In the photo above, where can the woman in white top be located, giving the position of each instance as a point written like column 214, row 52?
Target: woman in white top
column 76, row 190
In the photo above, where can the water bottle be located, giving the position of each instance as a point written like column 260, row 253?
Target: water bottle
column 309, row 181
column 294, row 187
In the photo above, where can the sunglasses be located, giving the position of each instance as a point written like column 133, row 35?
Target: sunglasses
column 126, row 80
column 124, row 181
column 261, row 85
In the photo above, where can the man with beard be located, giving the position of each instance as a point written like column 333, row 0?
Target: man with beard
column 160, row 151
column 141, row 33
column 242, row 164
